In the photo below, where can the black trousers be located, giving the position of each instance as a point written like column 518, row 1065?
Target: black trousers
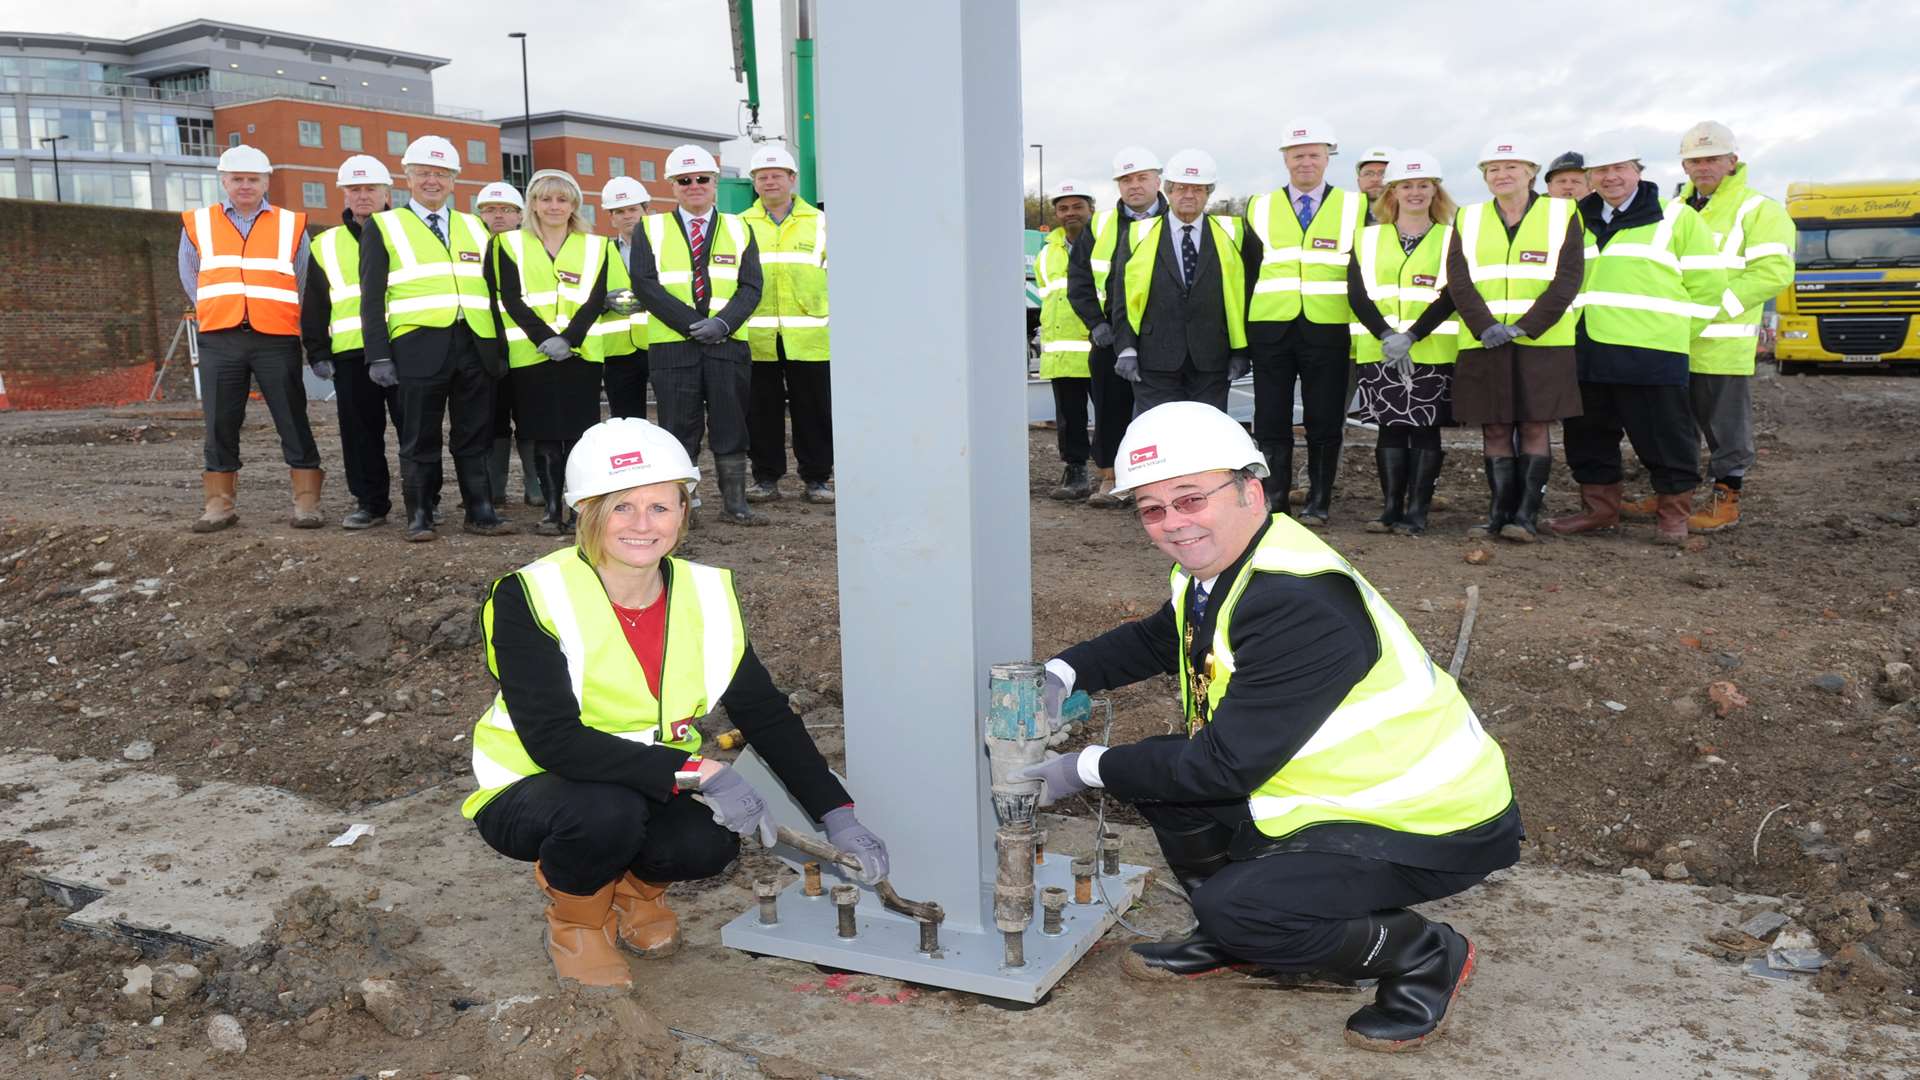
column 1288, row 910
column 1187, row 384
column 1657, row 420
column 229, row 361
column 1070, row 418
column 585, row 835
column 461, row 392
column 804, row 388
column 626, row 378
column 1321, row 369
column 1112, row 407
column 364, row 410
column 708, row 396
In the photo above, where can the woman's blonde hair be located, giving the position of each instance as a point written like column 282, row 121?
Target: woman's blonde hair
column 590, row 531
column 1386, row 208
column 564, row 184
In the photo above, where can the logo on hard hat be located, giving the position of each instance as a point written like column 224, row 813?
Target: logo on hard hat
column 1504, row 148
column 359, row 172
column 1299, row 133
column 1190, row 171
column 1411, row 166
column 1129, row 166
column 1144, row 455
column 686, row 161
column 627, row 460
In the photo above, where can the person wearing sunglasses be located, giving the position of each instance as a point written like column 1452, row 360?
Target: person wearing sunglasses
column 697, row 273
column 1331, row 776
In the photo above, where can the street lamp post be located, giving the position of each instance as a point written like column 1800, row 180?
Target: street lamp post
column 54, row 141
column 526, row 101
column 1043, row 167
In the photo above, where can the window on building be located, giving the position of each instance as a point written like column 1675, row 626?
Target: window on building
column 233, row 140
column 616, row 166
column 583, row 164
column 515, row 170
column 9, row 130
column 399, row 198
column 310, row 133
column 313, row 195
column 96, row 185
column 586, row 214
column 168, row 135
column 476, row 152
column 85, row 129
column 350, row 137
column 9, row 187
column 647, row 172
column 187, row 190
column 396, row 142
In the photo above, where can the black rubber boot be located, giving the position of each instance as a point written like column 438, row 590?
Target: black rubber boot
column 1075, row 484
column 1422, row 967
column 481, row 520
column 1531, row 472
column 552, row 487
column 1503, row 496
column 1422, row 473
column 419, row 510
column 1392, row 463
column 569, row 518
column 497, row 464
column 1193, row 856
column 529, row 472
column 734, row 507
column 1323, row 464
column 1279, row 457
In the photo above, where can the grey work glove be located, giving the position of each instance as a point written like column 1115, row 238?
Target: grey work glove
column 1497, row 335
column 556, row 348
column 708, row 331
column 1053, row 695
column 845, row 832
column 322, row 369
column 1127, row 365
column 1397, row 354
column 1059, row 776
column 1101, row 336
column 1238, row 365
column 737, row 806
column 382, row 373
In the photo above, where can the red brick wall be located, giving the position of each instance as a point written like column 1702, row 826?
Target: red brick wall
column 88, row 302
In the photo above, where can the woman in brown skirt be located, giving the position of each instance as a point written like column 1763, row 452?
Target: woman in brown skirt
column 1513, row 270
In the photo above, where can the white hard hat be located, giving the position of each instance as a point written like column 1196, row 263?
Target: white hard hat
column 362, row 169
column 1708, row 138
column 561, row 175
column 1311, row 130
column 625, row 452
column 690, row 160
column 499, row 192
column 1192, row 166
column 1382, row 154
column 1508, row 148
column 1181, row 438
column 1612, row 152
column 432, row 150
column 1412, row 165
column 1069, row 189
column 623, row 191
column 244, row 158
column 771, row 156
column 1133, row 159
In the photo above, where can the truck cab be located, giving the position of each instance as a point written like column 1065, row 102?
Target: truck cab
column 1855, row 298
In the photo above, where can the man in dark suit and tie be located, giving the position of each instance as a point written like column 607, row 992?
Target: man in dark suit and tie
column 684, row 265
column 1180, row 295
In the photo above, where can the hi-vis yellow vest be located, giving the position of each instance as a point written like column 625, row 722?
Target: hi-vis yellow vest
column 1756, row 240
column 431, row 284
column 1403, row 751
column 555, row 288
column 1403, row 286
column 338, row 252
column 1064, row 348
column 1144, row 251
column 1106, row 228
column 673, row 261
column 1511, row 275
column 705, row 641
column 1304, row 270
column 793, row 297
column 1655, row 286
column 619, row 335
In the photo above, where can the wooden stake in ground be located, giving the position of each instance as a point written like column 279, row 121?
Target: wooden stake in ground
column 1466, row 632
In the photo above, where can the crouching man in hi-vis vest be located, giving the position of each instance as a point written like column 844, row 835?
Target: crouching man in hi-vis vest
column 1331, row 776
column 588, row 762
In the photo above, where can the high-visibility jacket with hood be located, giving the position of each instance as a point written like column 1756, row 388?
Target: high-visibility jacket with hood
column 793, row 291
column 1064, row 348
column 1756, row 239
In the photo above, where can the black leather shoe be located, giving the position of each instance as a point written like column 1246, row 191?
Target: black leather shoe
column 1194, row 957
column 1422, row 967
column 362, row 518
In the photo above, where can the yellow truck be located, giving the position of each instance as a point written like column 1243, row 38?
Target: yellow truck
column 1855, row 297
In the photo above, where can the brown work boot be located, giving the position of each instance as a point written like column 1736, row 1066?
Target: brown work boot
column 1674, row 512
column 1723, row 512
column 1641, row 509
column 306, row 498
column 1103, row 495
column 1600, row 510
column 645, row 924
column 580, row 937
column 219, row 514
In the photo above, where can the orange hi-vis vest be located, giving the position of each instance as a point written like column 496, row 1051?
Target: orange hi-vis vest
column 247, row 280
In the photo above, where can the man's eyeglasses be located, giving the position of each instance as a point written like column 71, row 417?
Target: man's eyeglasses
column 1186, row 504
column 689, row 181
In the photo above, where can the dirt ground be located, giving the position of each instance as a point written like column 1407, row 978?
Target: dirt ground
column 1673, row 711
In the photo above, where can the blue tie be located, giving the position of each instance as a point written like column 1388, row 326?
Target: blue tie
column 1306, row 210
column 433, row 222
column 1189, row 254
column 1199, row 601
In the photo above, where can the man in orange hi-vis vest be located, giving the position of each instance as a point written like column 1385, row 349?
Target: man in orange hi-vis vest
column 243, row 264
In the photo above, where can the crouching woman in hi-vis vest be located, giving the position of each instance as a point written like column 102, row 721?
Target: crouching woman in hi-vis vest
column 607, row 652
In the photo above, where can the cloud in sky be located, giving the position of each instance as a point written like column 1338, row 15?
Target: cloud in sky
column 1823, row 92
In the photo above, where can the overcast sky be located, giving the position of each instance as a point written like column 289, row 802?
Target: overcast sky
column 1828, row 91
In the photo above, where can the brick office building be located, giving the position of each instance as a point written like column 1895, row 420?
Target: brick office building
column 595, row 149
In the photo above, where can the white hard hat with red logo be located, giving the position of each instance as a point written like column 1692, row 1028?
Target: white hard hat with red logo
column 690, row 161
column 1305, row 132
column 1508, row 148
column 1708, row 138
column 1412, row 165
column 1070, row 189
column 499, row 193
column 1181, row 438
column 1133, row 159
column 432, row 150
column 244, row 158
column 362, row 169
column 1192, row 166
column 771, row 156
column 623, row 191
column 625, row 452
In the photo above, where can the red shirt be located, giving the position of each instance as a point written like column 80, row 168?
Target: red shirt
column 646, row 630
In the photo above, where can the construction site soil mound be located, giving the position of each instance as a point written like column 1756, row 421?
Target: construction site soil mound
column 1740, row 713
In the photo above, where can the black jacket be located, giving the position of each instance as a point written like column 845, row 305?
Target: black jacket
column 678, row 315
column 424, row 352
column 1082, row 294
column 1180, row 325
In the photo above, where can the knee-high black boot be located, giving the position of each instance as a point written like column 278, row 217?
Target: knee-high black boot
column 1392, row 463
column 1422, row 967
column 1279, row 477
column 1531, row 473
column 1422, row 474
column 1503, row 496
column 553, row 481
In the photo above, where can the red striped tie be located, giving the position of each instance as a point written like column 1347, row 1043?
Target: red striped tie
column 699, row 240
